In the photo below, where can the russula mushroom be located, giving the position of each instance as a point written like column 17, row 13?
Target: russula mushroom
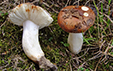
column 75, row 20
column 32, row 18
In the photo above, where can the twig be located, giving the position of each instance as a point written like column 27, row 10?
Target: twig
column 87, row 2
column 3, row 2
column 107, row 49
column 111, row 67
column 84, row 53
column 82, row 65
column 35, row 1
column 4, row 66
column 106, row 53
column 96, row 56
column 107, row 16
column 2, row 24
column 76, row 2
column 102, row 44
column 67, row 3
column 30, row 67
column 70, row 67
column 97, row 64
column 49, row 7
column 104, row 59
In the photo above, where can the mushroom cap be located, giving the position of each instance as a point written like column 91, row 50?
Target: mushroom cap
column 28, row 11
column 76, row 19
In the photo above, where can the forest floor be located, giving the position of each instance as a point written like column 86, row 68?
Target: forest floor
column 97, row 49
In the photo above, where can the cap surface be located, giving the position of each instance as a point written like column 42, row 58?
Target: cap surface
column 75, row 19
column 28, row 11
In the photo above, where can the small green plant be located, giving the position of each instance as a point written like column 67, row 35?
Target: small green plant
column 87, row 40
column 3, row 14
column 65, row 44
column 111, row 53
column 80, row 69
column 112, row 43
column 0, row 43
column 87, row 69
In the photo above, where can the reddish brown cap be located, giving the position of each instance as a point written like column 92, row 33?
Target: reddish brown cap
column 75, row 19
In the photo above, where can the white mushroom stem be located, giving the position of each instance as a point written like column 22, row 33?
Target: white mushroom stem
column 30, row 41
column 75, row 41
column 31, row 46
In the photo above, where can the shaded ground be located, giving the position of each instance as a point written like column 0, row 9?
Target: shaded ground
column 97, row 51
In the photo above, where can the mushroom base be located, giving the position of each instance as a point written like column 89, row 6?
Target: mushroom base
column 75, row 41
column 46, row 64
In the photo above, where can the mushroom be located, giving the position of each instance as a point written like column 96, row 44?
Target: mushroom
column 32, row 18
column 76, row 20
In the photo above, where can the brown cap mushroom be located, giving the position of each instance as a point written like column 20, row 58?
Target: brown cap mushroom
column 75, row 19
